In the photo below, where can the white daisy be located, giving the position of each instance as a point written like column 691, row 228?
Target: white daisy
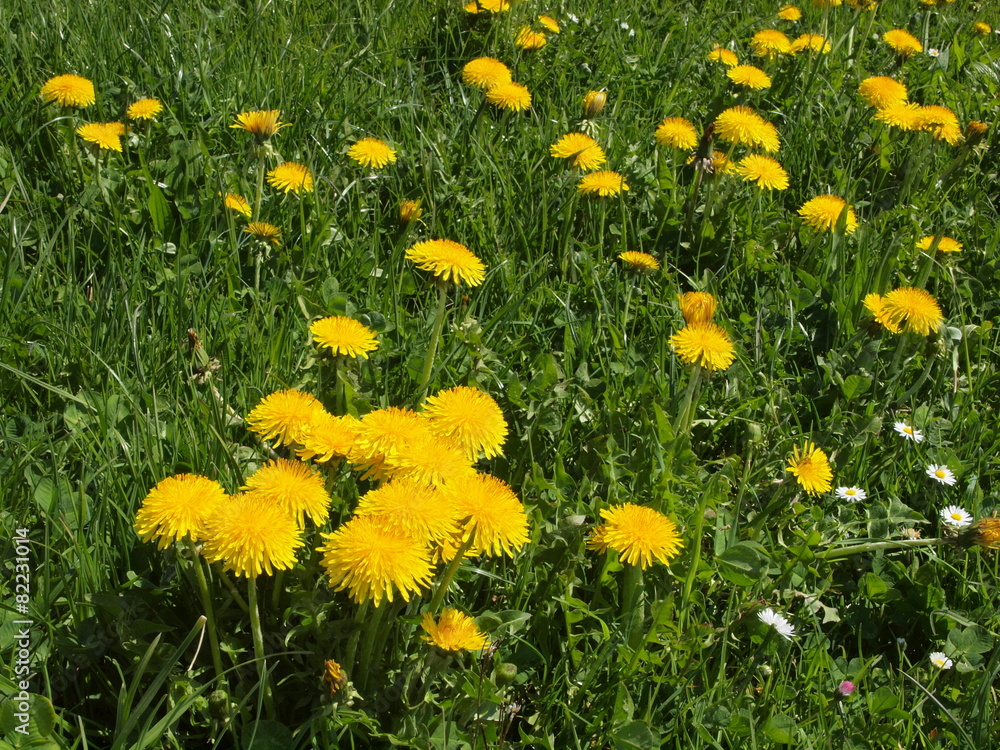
column 851, row 494
column 908, row 432
column 778, row 622
column 933, row 52
column 941, row 661
column 941, row 473
column 955, row 516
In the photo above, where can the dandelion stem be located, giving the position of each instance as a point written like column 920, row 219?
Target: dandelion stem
column 632, row 608
column 425, row 377
column 206, row 603
column 260, row 184
column 371, row 635
column 842, row 553
column 689, row 404
column 258, row 646
column 449, row 574
column 352, row 645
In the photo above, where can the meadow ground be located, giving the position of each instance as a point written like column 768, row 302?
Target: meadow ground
column 760, row 516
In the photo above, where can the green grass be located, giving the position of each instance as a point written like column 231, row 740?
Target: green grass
column 109, row 260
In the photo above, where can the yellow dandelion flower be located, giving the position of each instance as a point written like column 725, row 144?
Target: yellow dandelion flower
column 102, row 134
column 343, row 335
column 485, row 72
column 237, row 203
column 697, row 307
column 453, row 632
column 639, row 262
column 266, row 233
column 252, row 535
column 904, row 116
column 144, row 109
column 982, row 28
column 593, row 103
column 281, row 416
column 913, row 310
column 512, row 96
column 69, row 91
column 371, row 152
column 638, row 534
column 294, row 487
column 468, row 417
column 380, row 434
column 489, row 6
column 875, row 303
column 811, row 469
column 375, row 560
column 827, row 3
column 863, row 5
column 812, row 43
column 721, row 164
column 490, row 513
column 550, row 23
column 902, row 42
column 432, row 460
column 178, row 508
column 603, row 183
column 263, row 123
column 704, row 344
column 765, row 171
column 581, row 149
column 770, row 42
column 744, row 126
column 449, row 261
column 823, row 212
column 945, row 245
column 527, row 39
column 326, row 437
column 410, row 211
column 881, row 92
column 333, row 677
column 789, row 13
column 941, row 123
column 984, row 533
column 749, row 76
column 725, row 56
column 676, row 132
column 412, row 507
column 291, row 176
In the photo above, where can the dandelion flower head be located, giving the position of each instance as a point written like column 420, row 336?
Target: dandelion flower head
column 742, row 125
column 639, row 261
column 749, row 76
column 262, row 123
column 371, row 152
column 823, row 213
column 765, row 171
column 604, row 183
column 582, row 150
column 982, row 28
column 811, row 468
column 811, row 43
column 291, row 176
column 281, row 416
column 266, row 233
column 490, row 6
column 431, row 460
column 941, row 123
column 412, row 507
column 789, row 13
column 676, row 132
column 105, row 135
column 985, row 533
column 956, row 517
column 704, row 344
column 881, row 92
column 252, row 535
column 902, row 42
column 68, row 91
column 904, row 116
column 381, row 433
column 236, row 202
column 512, row 96
column 490, row 513
column 178, row 507
column 638, row 534
column 770, row 42
column 453, row 632
column 468, row 417
column 449, row 261
column 333, row 677
column 549, row 23
column 144, row 109
column 485, row 72
column 725, row 56
column 697, row 307
column 343, row 335
column 944, row 245
column 593, row 103
column 293, row 486
column 913, row 310
column 527, row 39
column 326, row 437
column 410, row 211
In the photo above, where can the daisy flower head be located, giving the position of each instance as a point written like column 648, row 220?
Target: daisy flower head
column 372, row 153
column 789, row 13
column 944, row 244
column 881, row 92
column 812, row 43
column 178, row 508
column 449, row 261
column 851, row 494
column 697, row 307
column 105, row 135
column 266, row 233
column 144, row 109
column 638, row 534
column 68, row 91
column 291, row 176
column 956, row 517
column 527, row 39
column 236, row 202
column 749, row 76
column 770, row 42
column 281, row 416
column 293, row 486
column 875, row 303
column 780, row 624
column 453, row 632
column 676, row 132
column 261, row 123
column 639, row 262
column 939, row 660
column 593, row 103
column 582, row 151
column 604, row 183
column 485, row 72
column 811, row 468
column 913, row 310
column 490, row 514
column 725, row 56
column 343, row 335
column 512, row 96
column 252, row 535
column 550, row 23
column 824, row 211
column 765, row 171
column 744, row 126
column 410, row 211
column 468, row 417
column 704, row 344
column 942, row 474
column 902, row 42
column 908, row 433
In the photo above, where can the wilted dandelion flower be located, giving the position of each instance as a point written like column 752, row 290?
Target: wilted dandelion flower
column 811, row 42
column 676, row 132
column 144, row 109
column 69, row 91
column 236, row 202
column 704, row 344
column 512, row 96
column 697, row 307
column 485, row 72
column 371, row 152
column 780, row 624
column 262, row 123
column 982, row 28
column 725, row 56
column 638, row 261
column 603, row 183
column 343, row 335
column 292, row 486
column 327, row 437
column 593, row 103
column 823, row 213
column 749, row 76
column 267, row 233
column 770, row 42
column 939, row 660
column 942, row 474
column 742, row 125
column 550, row 23
column 470, row 418
column 291, row 176
column 881, row 92
column 811, row 469
column 453, row 632
column 449, row 261
column 583, row 151
column 412, row 507
column 178, row 507
column 903, row 116
column 489, row 512
column 410, row 211
column 282, row 415
column 527, row 39
column 876, row 304
column 638, row 534
column 851, row 494
column 765, row 171
column 957, row 517
column 908, row 433
column 902, row 42
column 913, row 310
column 252, row 535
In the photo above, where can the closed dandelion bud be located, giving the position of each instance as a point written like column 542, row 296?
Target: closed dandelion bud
column 975, row 131
column 505, row 674
column 333, row 677
column 593, row 103
column 409, row 211
column 218, row 705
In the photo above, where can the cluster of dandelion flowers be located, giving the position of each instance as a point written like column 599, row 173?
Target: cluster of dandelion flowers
column 343, row 335
column 68, row 91
column 327, row 437
column 291, row 176
column 941, row 123
column 144, row 109
column 789, row 13
column 704, row 344
column 453, row 632
column 490, row 514
column 881, row 92
column 676, row 132
column 902, row 42
column 449, row 261
column 770, row 42
column 266, row 233
column 263, row 123
column 697, row 307
column 374, row 560
column 604, row 183
column 582, row 151
column 527, row 39
column 593, row 103
column 105, row 135
column 812, row 43
column 252, row 535
column 282, row 415
column 823, row 213
column 911, row 309
column 744, row 126
column 765, row 171
column 512, row 96
column 811, row 468
column 178, row 508
column 410, row 211
column 944, row 244
column 294, row 487
column 725, row 56
column 875, row 303
column 236, row 202
column 413, row 507
column 639, row 262
column 749, row 76
column 485, row 72
column 638, row 534
column 468, row 417
column 371, row 152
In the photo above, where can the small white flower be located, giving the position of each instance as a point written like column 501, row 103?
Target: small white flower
column 933, row 52
column 955, row 516
column 574, row 18
column 941, row 473
column 941, row 661
column 778, row 622
column 624, row 26
column 851, row 494
column 631, row 32
column 908, row 432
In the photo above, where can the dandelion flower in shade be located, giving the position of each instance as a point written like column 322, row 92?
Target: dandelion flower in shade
column 343, row 335
column 237, row 203
column 413, row 507
column 939, row 660
column 252, row 535
column 638, row 534
column 851, row 494
column 291, row 176
column 593, row 103
column 811, row 469
column 375, row 560
column 812, row 43
column 267, row 233
column 380, row 434
column 957, row 517
column 985, row 533
column 453, row 632
column 945, row 245
column 697, row 307
column 485, row 72
column 101, row 134
column 178, row 507
column 550, row 23
column 913, row 310
column 982, row 28
column 908, row 433
column 789, row 13
column 780, row 624
column 489, row 512
column 765, row 171
column 512, row 96
column 470, row 418
column 371, row 152
column 490, row 6
column 144, row 109
column 942, row 474
column 876, row 304
column 881, row 92
column 333, row 677
column 527, row 39
column 582, row 151
column 704, row 344
column 749, row 76
column 603, row 183
column 639, row 262
column 676, row 132
column 327, row 437
column 902, row 42
column 293, row 486
column 823, row 213
column 725, row 56
column 975, row 131
column 262, row 123
column 68, row 91
column 770, row 42
column 863, row 4
column 941, row 123
column 903, row 116
column 281, row 416
column 742, row 125
column 449, row 261
column 410, row 211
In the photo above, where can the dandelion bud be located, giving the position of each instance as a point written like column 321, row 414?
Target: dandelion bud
column 975, row 131
column 505, row 674
column 593, row 103
column 218, row 705
column 333, row 676
column 410, row 211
